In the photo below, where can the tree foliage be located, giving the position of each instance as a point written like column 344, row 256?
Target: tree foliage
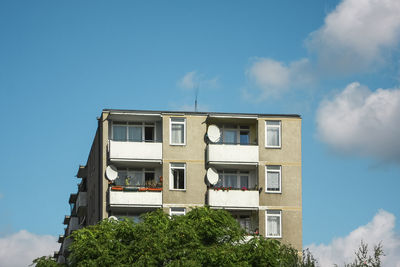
column 363, row 259
column 203, row 237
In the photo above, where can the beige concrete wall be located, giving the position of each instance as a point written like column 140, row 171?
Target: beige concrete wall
column 290, row 150
column 103, row 181
column 290, row 199
column 193, row 154
column 290, row 187
column 291, row 226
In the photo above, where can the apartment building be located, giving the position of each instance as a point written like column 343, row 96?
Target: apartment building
column 248, row 164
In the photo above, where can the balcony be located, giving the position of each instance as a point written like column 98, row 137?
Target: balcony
column 233, row 199
column 73, row 225
column 232, row 154
column 140, row 198
column 81, row 203
column 135, row 151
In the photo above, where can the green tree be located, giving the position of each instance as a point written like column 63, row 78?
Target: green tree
column 363, row 259
column 203, row 237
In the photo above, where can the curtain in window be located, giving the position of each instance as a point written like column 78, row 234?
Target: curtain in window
column 273, row 181
column 230, row 136
column 220, row 181
column 230, row 180
column 245, row 224
column 119, row 133
column 273, row 136
column 177, row 133
column 244, row 181
column 273, row 226
column 135, row 133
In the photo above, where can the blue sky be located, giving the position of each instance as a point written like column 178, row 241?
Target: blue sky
column 336, row 63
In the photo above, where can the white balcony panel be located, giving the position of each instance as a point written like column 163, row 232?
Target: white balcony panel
column 135, row 151
column 232, row 154
column 81, row 200
column 135, row 199
column 73, row 225
column 233, row 199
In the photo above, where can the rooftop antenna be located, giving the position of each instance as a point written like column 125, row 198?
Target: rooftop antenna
column 195, row 100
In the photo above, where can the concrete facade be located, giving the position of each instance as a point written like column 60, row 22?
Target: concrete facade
column 162, row 168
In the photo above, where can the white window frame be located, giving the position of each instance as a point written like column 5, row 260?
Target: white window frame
column 171, row 122
column 279, row 215
column 142, row 125
column 238, row 174
column 176, row 212
column 171, row 176
column 280, row 178
column 280, row 133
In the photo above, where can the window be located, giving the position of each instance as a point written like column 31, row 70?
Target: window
column 177, row 211
column 234, row 179
column 273, row 134
column 137, row 178
column 274, row 223
column 133, row 131
column 273, row 175
column 178, row 131
column 246, row 220
column 177, row 176
column 232, row 134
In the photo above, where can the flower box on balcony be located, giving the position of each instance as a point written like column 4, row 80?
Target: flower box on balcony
column 154, row 189
column 117, row 188
column 144, row 189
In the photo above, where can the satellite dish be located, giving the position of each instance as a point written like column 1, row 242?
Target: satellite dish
column 213, row 133
column 111, row 172
column 112, row 218
column 212, row 176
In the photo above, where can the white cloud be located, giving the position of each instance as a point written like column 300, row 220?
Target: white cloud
column 359, row 121
column 380, row 229
column 357, row 34
column 21, row 248
column 274, row 78
column 193, row 80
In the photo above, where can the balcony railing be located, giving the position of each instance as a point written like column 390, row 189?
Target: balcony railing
column 235, row 199
column 232, row 154
column 135, row 151
column 73, row 225
column 81, row 203
column 126, row 196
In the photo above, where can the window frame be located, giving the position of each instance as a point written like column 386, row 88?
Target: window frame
column 280, row 179
column 238, row 174
column 279, row 215
column 177, row 213
column 171, row 176
column 140, row 124
column 237, row 129
column 171, row 122
column 143, row 172
column 279, row 133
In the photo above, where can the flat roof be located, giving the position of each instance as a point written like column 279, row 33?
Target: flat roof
column 159, row 112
